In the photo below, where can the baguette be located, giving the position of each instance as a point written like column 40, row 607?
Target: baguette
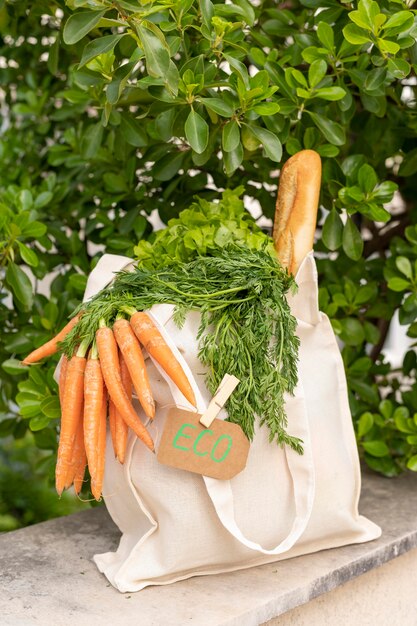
column 296, row 208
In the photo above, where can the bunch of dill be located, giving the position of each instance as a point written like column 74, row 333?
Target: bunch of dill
column 246, row 328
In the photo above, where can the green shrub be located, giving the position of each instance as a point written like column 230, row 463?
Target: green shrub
column 115, row 110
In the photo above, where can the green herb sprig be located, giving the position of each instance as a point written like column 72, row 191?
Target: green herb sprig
column 246, row 328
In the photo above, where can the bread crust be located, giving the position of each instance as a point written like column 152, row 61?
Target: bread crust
column 296, row 208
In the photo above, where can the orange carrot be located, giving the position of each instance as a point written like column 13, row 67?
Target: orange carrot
column 76, row 472
column 81, row 460
column 112, row 424
column 93, row 403
column 71, row 416
column 97, row 479
column 50, row 347
column 110, row 366
column 121, row 426
column 133, row 357
column 62, row 375
column 152, row 340
column 118, row 427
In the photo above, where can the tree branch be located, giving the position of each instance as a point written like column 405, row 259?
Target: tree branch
column 383, row 327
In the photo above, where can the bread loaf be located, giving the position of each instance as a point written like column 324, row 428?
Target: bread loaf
column 296, row 208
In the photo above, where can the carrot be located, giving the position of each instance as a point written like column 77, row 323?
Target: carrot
column 50, row 347
column 110, row 366
column 71, row 416
column 97, row 478
column 118, row 427
column 152, row 340
column 112, row 424
column 121, row 426
column 79, row 460
column 93, row 403
column 62, row 376
column 133, row 357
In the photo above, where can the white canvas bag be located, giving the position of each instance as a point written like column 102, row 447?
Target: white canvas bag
column 176, row 524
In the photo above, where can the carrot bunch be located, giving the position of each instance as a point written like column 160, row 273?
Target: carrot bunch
column 97, row 382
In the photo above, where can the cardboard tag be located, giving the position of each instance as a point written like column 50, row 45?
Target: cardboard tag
column 220, row 451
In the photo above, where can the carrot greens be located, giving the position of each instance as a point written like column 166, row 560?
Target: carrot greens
column 246, row 328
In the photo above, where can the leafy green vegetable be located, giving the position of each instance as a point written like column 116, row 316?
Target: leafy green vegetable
column 204, row 229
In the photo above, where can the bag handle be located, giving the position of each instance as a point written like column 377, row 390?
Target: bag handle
column 220, row 491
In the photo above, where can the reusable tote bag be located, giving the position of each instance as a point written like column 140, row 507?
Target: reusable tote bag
column 176, row 524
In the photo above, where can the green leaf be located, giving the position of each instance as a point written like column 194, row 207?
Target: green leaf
column 327, row 150
column 156, row 54
column 398, row 22
column 325, row 35
column 91, row 141
column 114, row 183
column 219, row 106
column 386, row 408
column 330, row 93
column 34, row 230
column 168, row 166
column 355, row 35
column 133, row 131
column 78, row 282
column 398, row 284
column 352, row 240
column 366, row 392
column 367, row 178
column 20, row 284
column 376, row 448
column 399, row 68
column 25, row 199
column 120, row 77
column 80, row 24
column 266, row 108
column 375, row 79
column 232, row 160
column 43, row 199
column 247, row 9
column 366, row 421
column 14, row 367
column 333, row 231
column 270, row 142
column 372, row 334
column 404, row 266
column 28, row 255
column 367, row 14
column 352, row 333
column 385, row 191
column 333, row 132
column 412, row 463
column 196, row 132
column 99, row 46
column 53, row 56
column 38, row 422
column 230, row 136
column 207, row 12
column 316, row 72
column 239, row 68
column 50, row 407
column 172, row 78
column 388, row 46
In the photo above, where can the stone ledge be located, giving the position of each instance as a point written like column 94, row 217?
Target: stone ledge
column 47, row 576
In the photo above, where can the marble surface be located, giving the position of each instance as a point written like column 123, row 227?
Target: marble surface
column 47, row 576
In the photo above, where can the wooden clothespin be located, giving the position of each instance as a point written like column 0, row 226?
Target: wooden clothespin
column 223, row 393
